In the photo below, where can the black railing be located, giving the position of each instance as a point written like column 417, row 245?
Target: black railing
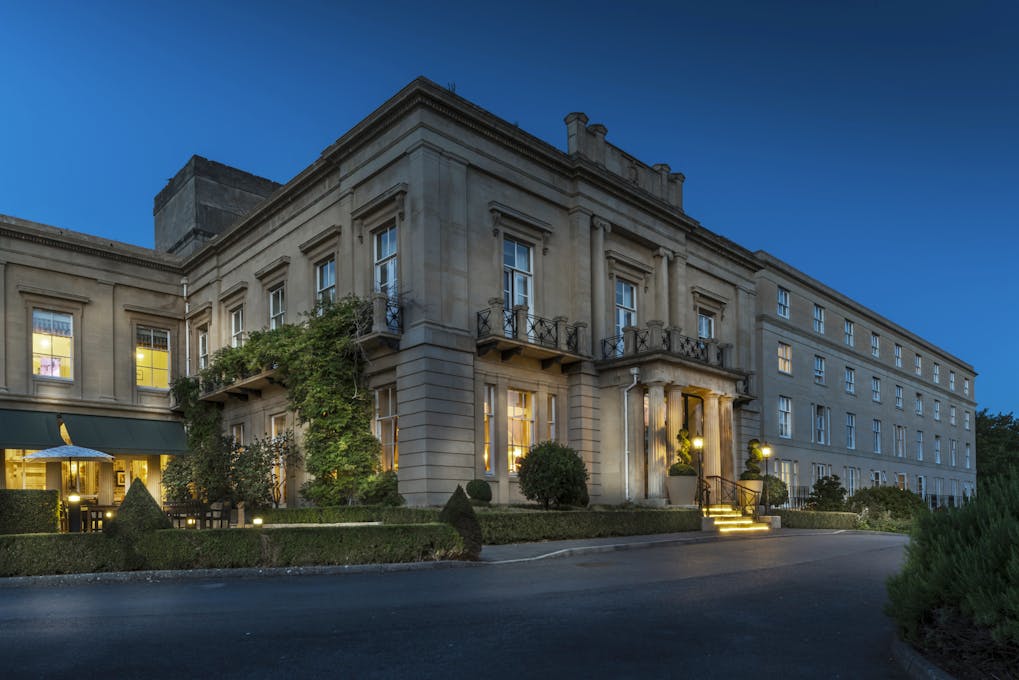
column 719, row 491
column 644, row 342
column 572, row 339
column 692, row 348
column 612, row 348
column 394, row 316
column 542, row 331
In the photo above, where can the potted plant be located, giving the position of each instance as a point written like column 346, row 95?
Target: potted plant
column 751, row 476
column 682, row 480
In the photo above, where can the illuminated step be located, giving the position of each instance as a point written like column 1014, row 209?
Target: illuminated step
column 756, row 528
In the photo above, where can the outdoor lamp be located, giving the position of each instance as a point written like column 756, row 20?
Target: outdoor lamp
column 766, row 452
column 698, row 443
column 74, row 498
column 257, row 521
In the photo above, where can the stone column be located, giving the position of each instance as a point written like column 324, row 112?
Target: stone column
column 657, row 455
column 154, row 478
column 635, row 470
column 673, row 419
column 712, row 434
column 599, row 227
column 728, row 453
column 662, row 257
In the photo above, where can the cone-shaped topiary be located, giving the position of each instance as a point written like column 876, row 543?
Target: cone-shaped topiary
column 460, row 514
column 138, row 513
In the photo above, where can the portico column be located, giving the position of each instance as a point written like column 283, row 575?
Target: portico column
column 712, row 445
column 657, row 456
column 727, row 452
column 598, row 282
column 662, row 256
column 673, row 420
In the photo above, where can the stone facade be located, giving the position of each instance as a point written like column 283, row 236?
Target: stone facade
column 521, row 293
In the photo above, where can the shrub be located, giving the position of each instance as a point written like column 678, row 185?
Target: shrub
column 899, row 503
column 813, row 519
column 479, row 490
column 957, row 596
column 459, row 513
column 682, row 466
column 775, row 490
column 138, row 513
column 828, row 495
column 553, row 474
column 29, row 512
column 382, row 489
column 350, row 513
column 753, row 462
column 38, row 554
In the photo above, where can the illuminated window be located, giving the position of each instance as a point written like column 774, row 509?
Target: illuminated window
column 850, row 333
column 785, row 417
column 785, row 358
column 819, row 319
column 387, row 426
column 23, row 474
column 278, row 470
column 52, row 342
column 237, row 326
column 325, row 281
column 783, row 303
column 900, row 481
column 386, row 280
column 489, row 429
column 520, row 426
column 277, row 307
column 237, row 434
column 152, row 358
column 203, row 347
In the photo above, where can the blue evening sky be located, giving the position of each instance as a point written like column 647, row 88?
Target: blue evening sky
column 873, row 145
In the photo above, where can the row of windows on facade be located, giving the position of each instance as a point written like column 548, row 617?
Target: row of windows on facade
column 849, row 337
column 385, row 264
column 785, row 361
column 820, row 433
column 53, row 350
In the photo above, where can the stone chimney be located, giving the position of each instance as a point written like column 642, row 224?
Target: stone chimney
column 576, row 133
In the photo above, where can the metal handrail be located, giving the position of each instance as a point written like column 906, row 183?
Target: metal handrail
column 739, row 496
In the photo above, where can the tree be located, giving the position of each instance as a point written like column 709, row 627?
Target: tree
column 997, row 440
column 553, row 474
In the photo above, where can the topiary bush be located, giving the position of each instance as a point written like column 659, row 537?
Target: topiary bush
column 553, row 474
column 29, row 511
column 682, row 467
column 828, row 495
column 138, row 513
column 876, row 500
column 957, row 597
column 459, row 513
column 479, row 490
column 382, row 489
column 753, row 462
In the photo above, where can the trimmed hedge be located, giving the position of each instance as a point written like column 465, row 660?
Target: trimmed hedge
column 37, row 554
column 349, row 513
column 816, row 519
column 29, row 512
column 518, row 527
column 499, row 525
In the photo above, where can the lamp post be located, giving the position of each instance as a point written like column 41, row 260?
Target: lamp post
column 766, row 452
column 698, row 446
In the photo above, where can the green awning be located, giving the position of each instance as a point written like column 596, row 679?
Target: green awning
column 29, row 430
column 126, row 436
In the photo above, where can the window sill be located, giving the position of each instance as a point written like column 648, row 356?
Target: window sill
column 53, row 379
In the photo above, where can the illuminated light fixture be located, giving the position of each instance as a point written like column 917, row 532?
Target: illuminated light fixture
column 698, row 442
column 191, row 521
column 74, row 498
column 109, row 515
column 257, row 521
column 140, row 356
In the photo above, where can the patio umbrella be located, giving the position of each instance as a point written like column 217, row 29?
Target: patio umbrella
column 70, row 452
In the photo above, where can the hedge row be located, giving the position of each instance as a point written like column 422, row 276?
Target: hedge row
column 349, row 513
column 29, row 512
column 37, row 554
column 500, row 526
column 813, row 519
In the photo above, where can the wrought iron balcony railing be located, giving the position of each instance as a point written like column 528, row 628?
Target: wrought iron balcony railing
column 656, row 338
column 517, row 324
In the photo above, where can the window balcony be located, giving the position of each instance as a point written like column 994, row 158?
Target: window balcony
column 242, row 389
column 656, row 339
column 386, row 324
column 514, row 332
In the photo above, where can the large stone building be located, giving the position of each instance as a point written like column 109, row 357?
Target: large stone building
column 521, row 293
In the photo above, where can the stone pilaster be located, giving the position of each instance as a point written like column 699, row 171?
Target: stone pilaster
column 712, row 436
column 599, row 305
column 728, row 453
column 662, row 257
column 636, row 469
column 673, row 419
